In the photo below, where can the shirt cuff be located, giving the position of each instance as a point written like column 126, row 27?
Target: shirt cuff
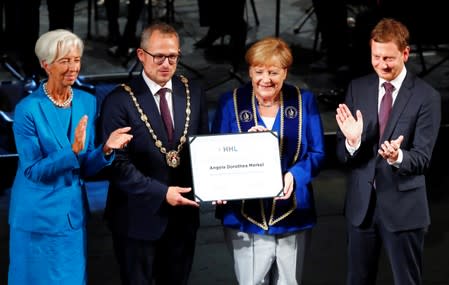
column 352, row 149
column 398, row 162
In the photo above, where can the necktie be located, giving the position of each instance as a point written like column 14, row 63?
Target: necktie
column 385, row 107
column 165, row 113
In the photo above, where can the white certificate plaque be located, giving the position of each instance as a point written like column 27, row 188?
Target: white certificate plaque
column 236, row 166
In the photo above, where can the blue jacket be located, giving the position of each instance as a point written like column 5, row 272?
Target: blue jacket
column 306, row 167
column 48, row 194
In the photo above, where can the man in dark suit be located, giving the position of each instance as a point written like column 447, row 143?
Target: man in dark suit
column 150, row 208
column 386, row 203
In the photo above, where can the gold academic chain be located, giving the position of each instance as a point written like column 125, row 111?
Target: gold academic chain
column 264, row 225
column 172, row 157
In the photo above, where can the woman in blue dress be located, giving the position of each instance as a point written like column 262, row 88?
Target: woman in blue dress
column 269, row 237
column 54, row 134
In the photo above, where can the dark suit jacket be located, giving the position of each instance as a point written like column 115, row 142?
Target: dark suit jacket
column 401, row 192
column 139, row 177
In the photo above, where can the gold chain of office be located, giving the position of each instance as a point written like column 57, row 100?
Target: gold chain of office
column 172, row 157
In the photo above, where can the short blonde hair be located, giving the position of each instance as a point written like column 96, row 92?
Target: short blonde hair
column 161, row 27
column 270, row 51
column 55, row 44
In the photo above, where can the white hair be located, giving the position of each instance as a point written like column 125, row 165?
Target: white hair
column 55, row 44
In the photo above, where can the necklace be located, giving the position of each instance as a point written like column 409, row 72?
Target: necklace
column 64, row 104
column 172, row 157
column 265, row 105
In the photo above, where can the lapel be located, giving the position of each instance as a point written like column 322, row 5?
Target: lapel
column 179, row 106
column 369, row 108
column 399, row 105
column 51, row 117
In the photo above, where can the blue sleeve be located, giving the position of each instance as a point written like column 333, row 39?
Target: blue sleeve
column 39, row 165
column 312, row 155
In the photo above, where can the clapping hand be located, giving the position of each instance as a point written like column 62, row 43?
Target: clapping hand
column 80, row 135
column 389, row 150
column 118, row 139
column 349, row 126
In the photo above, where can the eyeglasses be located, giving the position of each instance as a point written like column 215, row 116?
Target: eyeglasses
column 160, row 58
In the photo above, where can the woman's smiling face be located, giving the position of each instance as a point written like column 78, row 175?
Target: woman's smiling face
column 267, row 80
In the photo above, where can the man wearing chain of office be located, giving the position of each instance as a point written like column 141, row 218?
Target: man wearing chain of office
column 150, row 208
